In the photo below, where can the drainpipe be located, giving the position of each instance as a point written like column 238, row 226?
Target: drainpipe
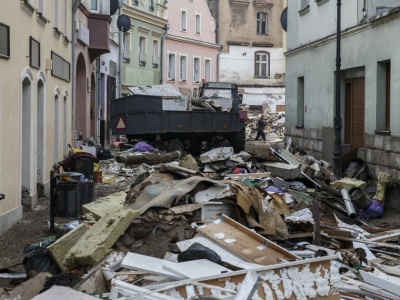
column 75, row 6
column 217, row 39
column 166, row 27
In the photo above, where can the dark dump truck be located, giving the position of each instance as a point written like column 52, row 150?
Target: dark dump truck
column 216, row 121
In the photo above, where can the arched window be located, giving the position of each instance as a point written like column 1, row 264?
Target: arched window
column 261, row 64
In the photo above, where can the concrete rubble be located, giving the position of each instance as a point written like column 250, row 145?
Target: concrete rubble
column 268, row 223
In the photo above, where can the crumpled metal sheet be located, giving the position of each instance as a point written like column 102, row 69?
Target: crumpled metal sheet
column 216, row 154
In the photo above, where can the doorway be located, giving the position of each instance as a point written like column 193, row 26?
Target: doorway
column 354, row 112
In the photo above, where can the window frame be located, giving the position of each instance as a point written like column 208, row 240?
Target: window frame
column 196, row 58
column 260, row 62
column 155, row 54
column 57, row 18
column 170, row 78
column 207, row 60
column 304, row 7
column 183, row 20
column 261, row 21
column 31, row 63
column 64, row 63
column 127, row 47
column 183, row 71
column 97, row 10
column 197, row 25
column 8, row 54
column 142, row 46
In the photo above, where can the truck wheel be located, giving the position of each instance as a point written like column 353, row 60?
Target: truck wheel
column 175, row 145
column 238, row 141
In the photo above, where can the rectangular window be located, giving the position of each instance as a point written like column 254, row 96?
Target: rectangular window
column 155, row 54
column 182, row 68
column 183, row 20
column 198, row 24
column 304, row 4
column 262, row 23
column 127, row 47
column 41, row 6
column 142, row 51
column 207, row 69
column 151, row 6
column 261, row 64
column 34, row 53
column 61, row 68
column 196, row 69
column 57, row 14
column 135, row 2
column 65, row 29
column 94, row 5
column 383, row 96
column 4, row 41
column 300, row 101
column 171, row 66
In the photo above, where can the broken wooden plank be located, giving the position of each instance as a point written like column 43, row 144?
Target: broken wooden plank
column 385, row 236
column 245, row 243
column 381, row 283
column 317, row 228
column 368, row 242
column 59, row 249
column 96, row 243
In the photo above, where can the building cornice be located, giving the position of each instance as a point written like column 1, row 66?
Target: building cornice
column 191, row 41
column 144, row 17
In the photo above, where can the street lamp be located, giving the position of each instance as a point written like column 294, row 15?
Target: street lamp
column 337, row 150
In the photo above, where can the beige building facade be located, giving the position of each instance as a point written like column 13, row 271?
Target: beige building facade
column 252, row 56
column 35, row 100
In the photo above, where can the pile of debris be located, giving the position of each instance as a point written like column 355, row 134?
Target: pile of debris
column 262, row 224
column 275, row 128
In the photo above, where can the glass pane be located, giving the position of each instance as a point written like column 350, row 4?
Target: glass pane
column 263, row 70
column 4, row 40
column 94, row 5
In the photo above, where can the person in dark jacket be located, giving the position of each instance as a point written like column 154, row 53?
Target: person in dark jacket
column 260, row 128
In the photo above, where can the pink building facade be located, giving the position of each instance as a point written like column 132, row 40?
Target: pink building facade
column 190, row 52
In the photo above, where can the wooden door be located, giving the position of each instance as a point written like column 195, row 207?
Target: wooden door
column 355, row 112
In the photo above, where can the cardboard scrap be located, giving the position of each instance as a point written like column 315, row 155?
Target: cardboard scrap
column 96, row 243
column 28, row 289
column 349, row 183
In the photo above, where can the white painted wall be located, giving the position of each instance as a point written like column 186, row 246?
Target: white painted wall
column 259, row 96
column 238, row 65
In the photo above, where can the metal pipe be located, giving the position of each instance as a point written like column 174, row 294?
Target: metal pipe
column 119, row 89
column 337, row 150
column 75, row 7
column 351, row 212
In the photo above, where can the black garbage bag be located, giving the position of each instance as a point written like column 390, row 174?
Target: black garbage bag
column 63, row 279
column 37, row 260
column 198, row 251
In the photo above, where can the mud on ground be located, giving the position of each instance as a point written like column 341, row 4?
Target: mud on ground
column 33, row 227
